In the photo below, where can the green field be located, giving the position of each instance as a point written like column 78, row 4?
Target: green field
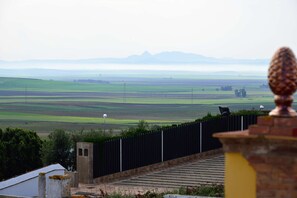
column 45, row 105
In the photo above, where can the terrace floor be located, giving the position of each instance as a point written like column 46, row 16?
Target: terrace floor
column 203, row 171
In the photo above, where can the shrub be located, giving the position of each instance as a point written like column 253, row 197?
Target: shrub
column 142, row 127
column 203, row 190
column 95, row 136
column 208, row 117
column 250, row 112
column 20, row 152
column 58, row 149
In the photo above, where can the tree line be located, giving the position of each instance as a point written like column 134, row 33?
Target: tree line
column 23, row 150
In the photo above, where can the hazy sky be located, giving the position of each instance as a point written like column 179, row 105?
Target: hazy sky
column 71, row 29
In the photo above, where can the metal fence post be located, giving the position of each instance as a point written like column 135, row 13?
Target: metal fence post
column 162, row 147
column 200, row 137
column 242, row 123
column 121, row 156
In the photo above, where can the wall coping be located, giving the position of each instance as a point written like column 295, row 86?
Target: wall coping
column 246, row 135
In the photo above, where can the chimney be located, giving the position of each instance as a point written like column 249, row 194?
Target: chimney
column 84, row 160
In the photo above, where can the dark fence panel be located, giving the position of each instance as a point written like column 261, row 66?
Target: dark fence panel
column 234, row 123
column 141, row 150
column 106, row 158
column 248, row 120
column 223, row 124
column 181, row 141
column 209, row 128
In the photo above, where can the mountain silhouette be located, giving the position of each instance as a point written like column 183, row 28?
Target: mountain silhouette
column 170, row 57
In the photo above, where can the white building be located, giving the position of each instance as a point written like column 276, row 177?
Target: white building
column 26, row 185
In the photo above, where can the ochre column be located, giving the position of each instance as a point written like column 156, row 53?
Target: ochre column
column 240, row 177
column 262, row 161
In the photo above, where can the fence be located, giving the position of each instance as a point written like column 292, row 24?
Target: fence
column 149, row 148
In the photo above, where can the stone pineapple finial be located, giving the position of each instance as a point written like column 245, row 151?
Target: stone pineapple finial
column 282, row 77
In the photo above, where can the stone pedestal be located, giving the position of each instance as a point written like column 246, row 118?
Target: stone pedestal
column 41, row 185
column 270, row 150
column 84, row 161
column 73, row 178
column 59, row 186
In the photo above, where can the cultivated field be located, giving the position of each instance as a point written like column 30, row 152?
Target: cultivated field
column 45, row 105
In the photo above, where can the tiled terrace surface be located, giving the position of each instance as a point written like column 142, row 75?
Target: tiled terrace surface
column 203, row 171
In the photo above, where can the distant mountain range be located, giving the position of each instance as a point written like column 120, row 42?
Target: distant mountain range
column 173, row 57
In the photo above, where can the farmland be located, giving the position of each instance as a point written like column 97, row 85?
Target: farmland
column 45, row 105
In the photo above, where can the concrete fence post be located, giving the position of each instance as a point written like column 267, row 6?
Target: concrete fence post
column 73, row 178
column 200, row 131
column 41, row 185
column 162, row 146
column 59, row 186
column 121, row 155
column 242, row 123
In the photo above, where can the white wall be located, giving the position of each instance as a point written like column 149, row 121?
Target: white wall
column 28, row 187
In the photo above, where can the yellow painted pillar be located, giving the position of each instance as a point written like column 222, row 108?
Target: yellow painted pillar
column 259, row 162
column 240, row 177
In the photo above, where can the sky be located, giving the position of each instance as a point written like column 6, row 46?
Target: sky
column 79, row 29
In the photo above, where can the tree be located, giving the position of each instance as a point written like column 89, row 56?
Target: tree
column 243, row 93
column 237, row 93
column 20, row 152
column 142, row 127
column 59, row 149
column 240, row 93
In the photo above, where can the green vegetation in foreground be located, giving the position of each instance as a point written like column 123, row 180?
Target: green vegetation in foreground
column 19, row 152
column 204, row 190
column 60, row 146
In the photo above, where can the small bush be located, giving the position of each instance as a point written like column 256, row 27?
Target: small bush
column 208, row 117
column 117, row 195
column 204, row 190
column 142, row 127
column 250, row 112
column 96, row 136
